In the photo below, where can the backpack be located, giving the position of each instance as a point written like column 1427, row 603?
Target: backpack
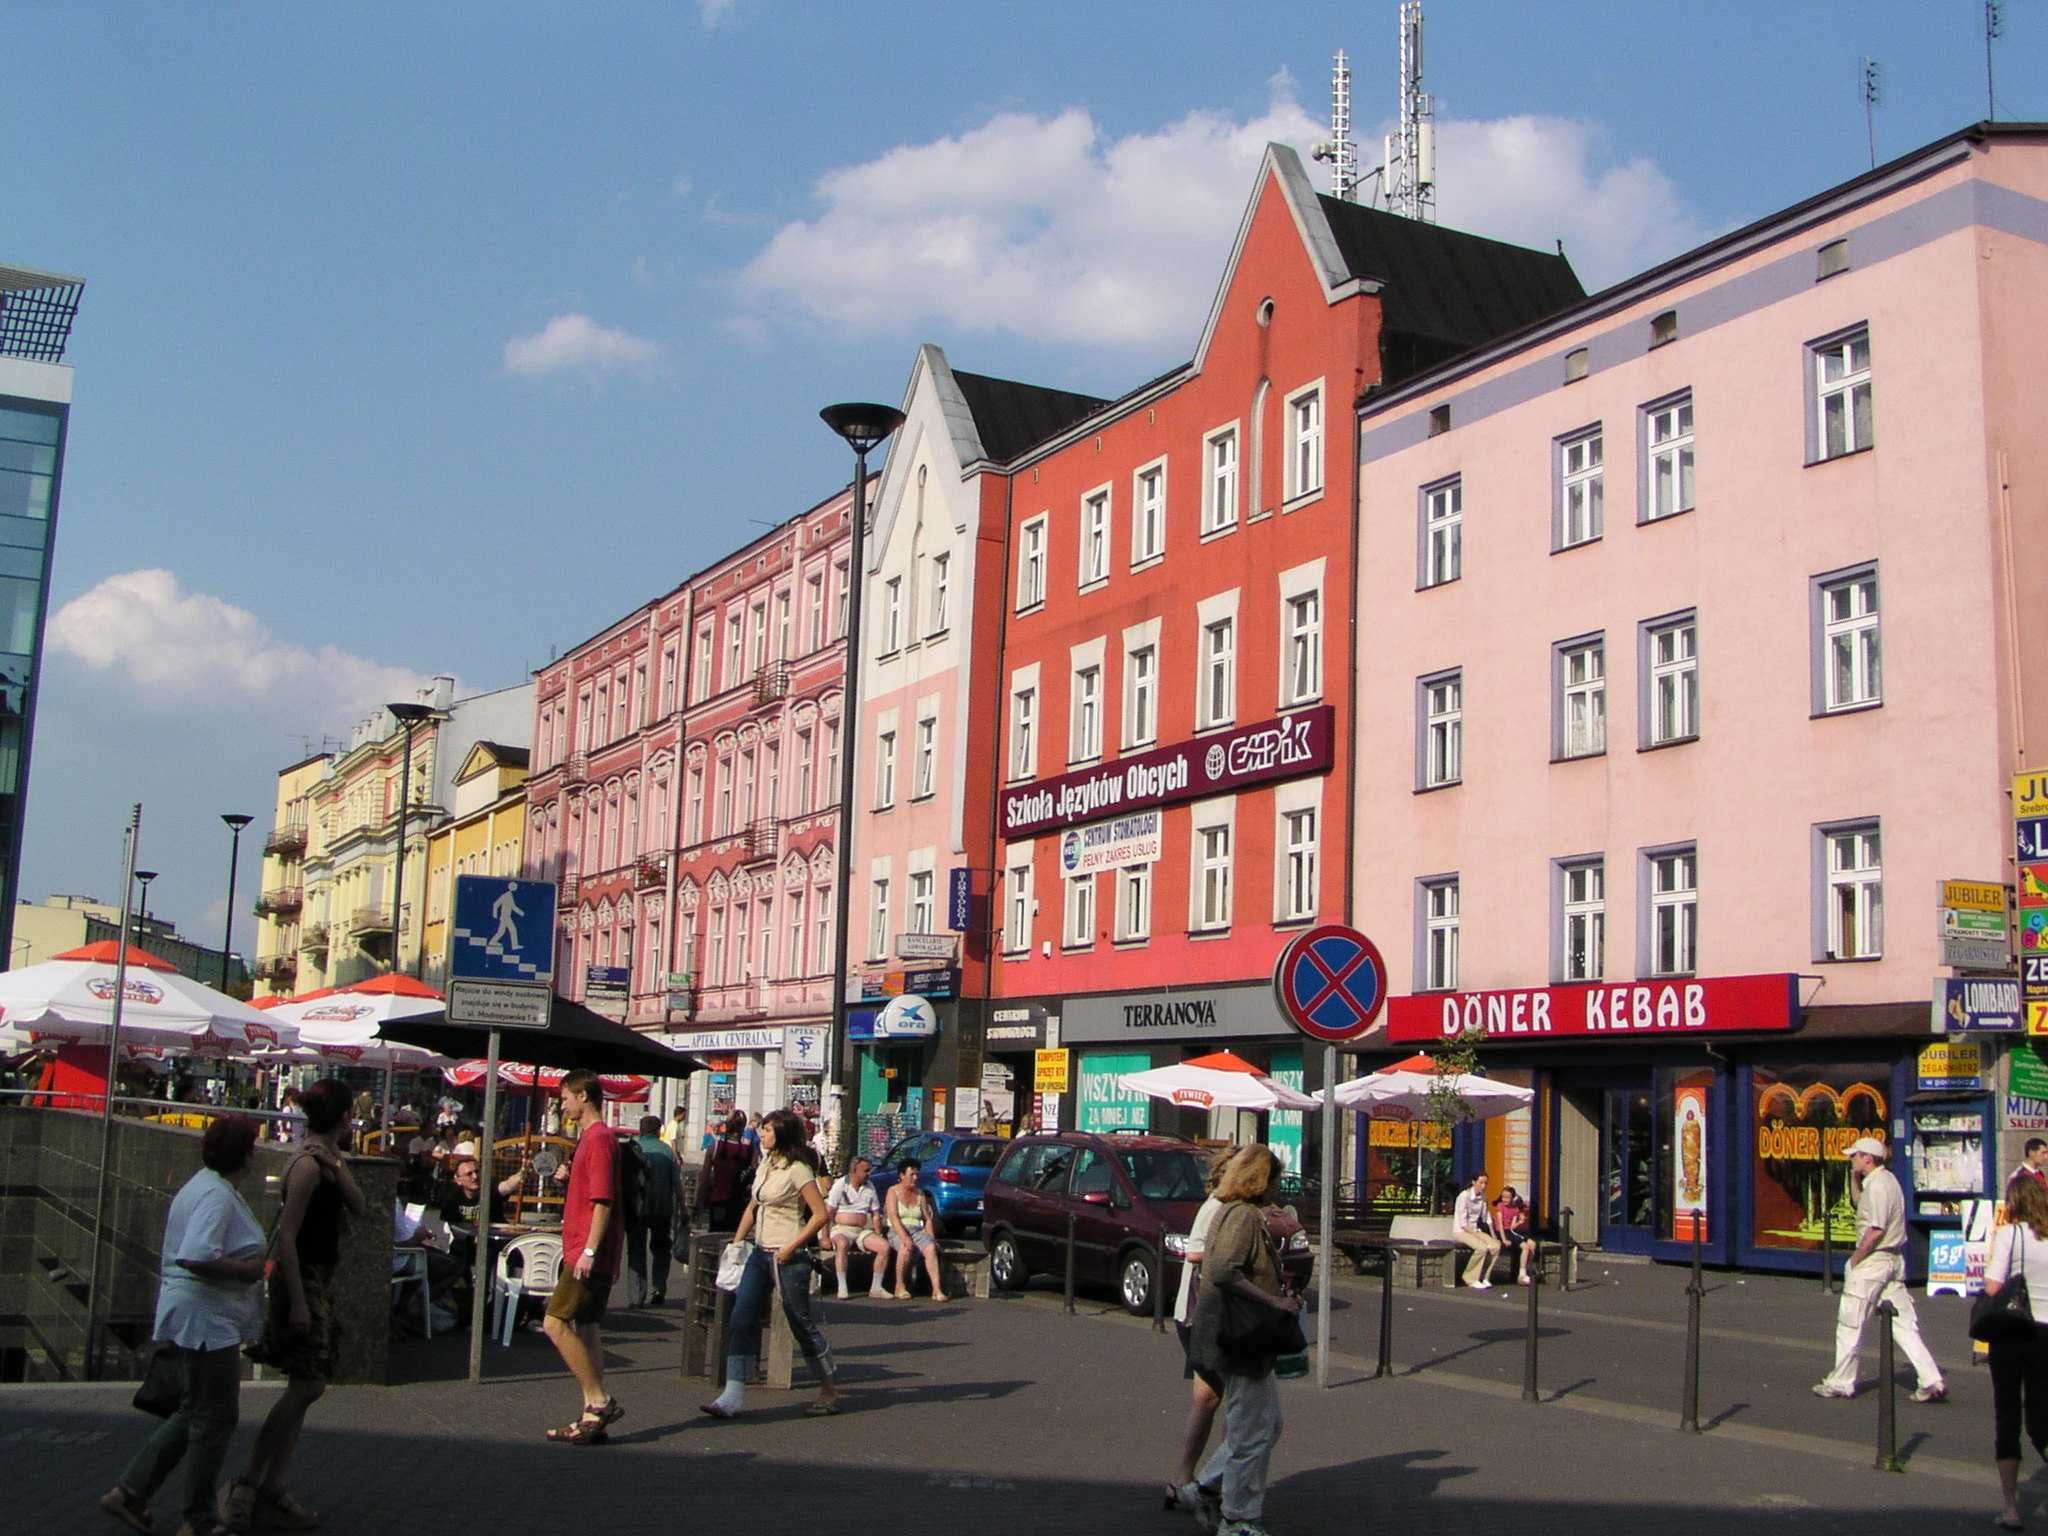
column 631, row 1182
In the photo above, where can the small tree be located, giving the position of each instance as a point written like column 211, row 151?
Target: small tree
column 1445, row 1108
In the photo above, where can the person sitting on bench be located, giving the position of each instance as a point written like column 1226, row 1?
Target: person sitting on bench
column 1472, row 1225
column 1511, row 1221
column 854, row 1225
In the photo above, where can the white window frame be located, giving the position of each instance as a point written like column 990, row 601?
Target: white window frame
column 1671, row 883
column 1440, row 729
column 1031, row 541
column 1022, row 757
column 1216, row 660
column 892, row 616
column 1134, row 903
column 941, row 590
column 885, row 767
column 1077, row 928
column 1668, row 458
column 1212, row 838
column 1297, row 851
column 925, row 777
column 735, row 648
column 923, row 901
column 1096, row 513
column 1439, row 901
column 1581, row 471
column 1304, row 424
column 1857, row 630
column 1849, row 874
column 1222, row 484
column 829, row 780
column 1301, row 634
column 1579, row 681
column 1440, row 546
column 1582, row 919
column 842, row 594
column 878, row 918
column 1018, row 901
column 1670, row 668
column 1141, row 685
column 1148, row 513
column 1084, row 734
column 814, row 600
column 793, row 951
column 1848, row 384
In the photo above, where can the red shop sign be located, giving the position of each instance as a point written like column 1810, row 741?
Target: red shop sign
column 1600, row 1010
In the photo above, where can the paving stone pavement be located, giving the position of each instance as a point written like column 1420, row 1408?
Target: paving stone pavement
column 1010, row 1416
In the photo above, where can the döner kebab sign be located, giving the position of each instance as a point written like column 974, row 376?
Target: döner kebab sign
column 1290, row 747
column 1599, row 1010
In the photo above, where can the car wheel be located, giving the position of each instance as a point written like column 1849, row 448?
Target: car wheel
column 1006, row 1269
column 1134, row 1283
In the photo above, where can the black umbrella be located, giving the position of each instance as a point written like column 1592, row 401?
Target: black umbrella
column 575, row 1037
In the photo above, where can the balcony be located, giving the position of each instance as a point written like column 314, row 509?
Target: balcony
column 278, row 970
column 771, row 684
column 286, row 839
column 566, row 888
column 577, row 771
column 650, row 874
column 759, row 839
column 281, row 902
column 313, row 936
column 370, row 920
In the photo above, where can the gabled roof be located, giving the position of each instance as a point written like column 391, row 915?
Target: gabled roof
column 1443, row 285
column 1011, row 417
column 486, row 755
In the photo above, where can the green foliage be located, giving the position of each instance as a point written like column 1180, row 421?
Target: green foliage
column 1444, row 1107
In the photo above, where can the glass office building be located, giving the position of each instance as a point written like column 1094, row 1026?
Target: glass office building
column 36, row 311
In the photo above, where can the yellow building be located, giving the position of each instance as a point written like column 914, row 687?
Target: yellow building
column 280, row 898
column 485, row 835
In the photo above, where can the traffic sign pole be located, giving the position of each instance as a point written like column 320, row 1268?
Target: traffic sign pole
column 487, row 1185
column 1329, row 1213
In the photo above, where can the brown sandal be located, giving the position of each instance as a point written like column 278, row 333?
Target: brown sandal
column 588, row 1430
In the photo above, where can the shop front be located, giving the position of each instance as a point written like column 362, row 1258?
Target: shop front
column 749, row 1069
column 1714, row 1108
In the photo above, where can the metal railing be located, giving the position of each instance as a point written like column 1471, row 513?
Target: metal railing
column 287, row 837
column 370, row 920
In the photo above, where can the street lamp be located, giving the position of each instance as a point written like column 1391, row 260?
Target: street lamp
column 235, row 825
column 142, row 923
column 865, row 426
column 407, row 715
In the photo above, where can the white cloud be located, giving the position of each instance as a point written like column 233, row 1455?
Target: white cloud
column 576, row 341
column 714, row 11
column 1046, row 227
column 173, row 643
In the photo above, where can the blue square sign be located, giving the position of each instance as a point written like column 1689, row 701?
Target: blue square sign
column 504, row 930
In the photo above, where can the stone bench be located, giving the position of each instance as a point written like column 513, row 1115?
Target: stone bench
column 1428, row 1257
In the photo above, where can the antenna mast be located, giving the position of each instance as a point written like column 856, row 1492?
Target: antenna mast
column 1339, row 148
column 1994, row 29
column 1410, row 154
column 1870, row 87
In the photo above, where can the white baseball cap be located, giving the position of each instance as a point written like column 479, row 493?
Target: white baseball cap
column 1869, row 1146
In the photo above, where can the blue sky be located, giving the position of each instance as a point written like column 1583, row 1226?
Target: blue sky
column 426, row 339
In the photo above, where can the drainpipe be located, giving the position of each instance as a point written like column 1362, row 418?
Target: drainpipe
column 992, row 924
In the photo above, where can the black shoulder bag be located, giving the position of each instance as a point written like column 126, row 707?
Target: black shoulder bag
column 2008, row 1316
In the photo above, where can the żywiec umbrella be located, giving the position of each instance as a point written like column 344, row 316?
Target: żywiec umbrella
column 70, row 999
column 1401, row 1092
column 1217, row 1081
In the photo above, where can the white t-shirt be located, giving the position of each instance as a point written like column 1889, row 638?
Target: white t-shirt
column 209, row 1220
column 1198, row 1237
column 1882, row 1205
column 2033, row 1264
column 1470, row 1213
column 844, row 1197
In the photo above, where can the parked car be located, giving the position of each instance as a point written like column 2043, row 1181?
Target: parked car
column 1130, row 1198
column 954, row 1168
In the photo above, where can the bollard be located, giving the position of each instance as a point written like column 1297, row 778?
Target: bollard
column 1827, row 1249
column 1159, row 1291
column 1887, row 1393
column 1689, row 1413
column 1386, row 1360
column 1564, row 1254
column 1696, row 1252
column 1070, row 1263
column 1529, row 1346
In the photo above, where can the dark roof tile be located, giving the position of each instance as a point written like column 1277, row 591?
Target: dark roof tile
column 1012, row 417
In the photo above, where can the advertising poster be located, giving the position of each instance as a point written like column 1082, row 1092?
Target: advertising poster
column 1283, row 1133
column 1948, row 1265
column 1951, row 1064
column 1105, row 1104
column 2026, row 1089
column 1689, row 1167
column 1132, row 839
column 1050, row 1071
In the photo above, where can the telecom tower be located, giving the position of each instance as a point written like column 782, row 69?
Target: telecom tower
column 1409, row 175
column 1338, row 148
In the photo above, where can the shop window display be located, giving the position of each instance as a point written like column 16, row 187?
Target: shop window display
column 1805, row 1119
column 1685, row 1154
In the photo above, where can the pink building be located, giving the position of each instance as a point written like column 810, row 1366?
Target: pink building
column 1700, row 630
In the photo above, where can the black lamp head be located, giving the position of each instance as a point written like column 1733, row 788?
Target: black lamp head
column 862, row 423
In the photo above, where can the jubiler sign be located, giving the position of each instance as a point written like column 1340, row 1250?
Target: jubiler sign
column 1702, row 1005
column 1287, row 748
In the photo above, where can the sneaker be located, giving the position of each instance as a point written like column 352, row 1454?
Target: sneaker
column 1241, row 1528
column 844, row 1293
column 1826, row 1389
column 123, row 1506
column 1524, row 1280
column 238, row 1505
column 876, row 1293
column 1936, row 1393
column 1482, row 1285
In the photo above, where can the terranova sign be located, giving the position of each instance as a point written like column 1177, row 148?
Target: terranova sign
column 1289, row 747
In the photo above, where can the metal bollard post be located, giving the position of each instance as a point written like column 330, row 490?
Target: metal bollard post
column 1529, row 1347
column 1159, row 1290
column 1386, row 1360
column 1689, row 1413
column 1827, row 1249
column 1564, row 1255
column 1070, row 1263
column 1887, row 1393
column 1696, row 1252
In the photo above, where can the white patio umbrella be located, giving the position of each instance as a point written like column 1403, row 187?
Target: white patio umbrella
column 1217, row 1081
column 347, row 1021
column 69, row 1000
column 1401, row 1092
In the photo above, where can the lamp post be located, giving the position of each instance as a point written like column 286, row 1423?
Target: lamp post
column 235, row 824
column 142, row 922
column 865, row 426
column 407, row 715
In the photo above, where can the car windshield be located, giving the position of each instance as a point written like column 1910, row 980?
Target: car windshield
column 975, row 1154
column 1165, row 1175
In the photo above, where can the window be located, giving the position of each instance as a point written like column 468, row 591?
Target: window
column 694, row 830
column 1141, row 696
column 1855, row 892
column 920, row 902
column 1831, row 259
column 771, row 779
column 821, row 910
column 1582, row 698
column 745, row 805
column 1148, row 514
column 1584, row 956
column 892, row 615
column 1095, row 537
column 758, row 616
column 1439, row 420
column 1443, row 728
column 1575, row 365
column 734, row 644
column 1439, row 966
column 1581, row 489
column 715, row 962
column 793, row 953
column 1134, row 902
column 814, row 606
column 668, row 678
column 1031, row 564
column 878, row 921
column 1297, row 865
column 782, row 636
column 1841, row 381
column 840, row 593
column 885, row 770
column 828, row 783
column 1671, row 650
column 721, row 822
column 1667, row 442
column 1219, row 494
column 1303, row 646
column 925, row 779
column 1443, row 533
column 1085, row 744
column 1664, row 328
column 1023, row 732
column 1219, row 673
column 1674, row 911
column 942, row 578
column 766, row 913
column 1305, row 442
column 1849, row 652
column 1017, row 911
column 1212, row 885
column 742, row 941
column 801, row 804
column 1079, row 932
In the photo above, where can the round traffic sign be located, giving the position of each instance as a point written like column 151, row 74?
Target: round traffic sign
column 1331, row 983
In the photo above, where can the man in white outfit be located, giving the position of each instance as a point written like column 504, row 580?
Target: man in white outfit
column 1472, row 1225
column 1877, row 1271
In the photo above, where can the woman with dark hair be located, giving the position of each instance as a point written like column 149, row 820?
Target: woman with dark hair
column 785, row 1214
column 300, row 1334
column 728, row 1165
column 205, row 1312
column 2019, row 1367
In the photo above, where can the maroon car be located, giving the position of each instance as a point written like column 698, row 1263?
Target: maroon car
column 1130, row 1197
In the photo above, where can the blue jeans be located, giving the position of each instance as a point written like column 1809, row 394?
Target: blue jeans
column 750, row 1308
column 197, row 1433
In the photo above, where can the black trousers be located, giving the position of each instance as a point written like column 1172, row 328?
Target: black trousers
column 2019, row 1370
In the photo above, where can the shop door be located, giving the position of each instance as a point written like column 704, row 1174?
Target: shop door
column 1627, row 1171
column 1578, row 1158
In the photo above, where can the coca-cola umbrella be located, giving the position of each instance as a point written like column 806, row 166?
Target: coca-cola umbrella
column 1220, row 1080
column 619, row 1087
column 575, row 1038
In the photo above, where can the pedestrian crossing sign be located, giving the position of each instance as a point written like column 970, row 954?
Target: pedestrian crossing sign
column 504, row 930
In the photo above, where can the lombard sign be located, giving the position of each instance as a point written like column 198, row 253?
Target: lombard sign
column 1701, row 1005
column 1978, row 1007
column 1132, row 839
column 1287, row 748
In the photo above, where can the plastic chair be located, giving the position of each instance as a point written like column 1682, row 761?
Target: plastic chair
column 540, row 1260
column 409, row 1267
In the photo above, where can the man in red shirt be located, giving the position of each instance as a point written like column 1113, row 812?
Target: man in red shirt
column 592, row 1246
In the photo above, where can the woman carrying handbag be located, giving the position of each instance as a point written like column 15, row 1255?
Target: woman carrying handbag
column 2009, row 1318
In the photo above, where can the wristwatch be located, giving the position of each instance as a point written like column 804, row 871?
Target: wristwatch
column 590, row 1253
